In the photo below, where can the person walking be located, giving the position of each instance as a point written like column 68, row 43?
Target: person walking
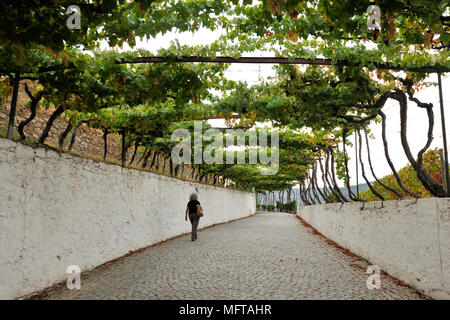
column 191, row 209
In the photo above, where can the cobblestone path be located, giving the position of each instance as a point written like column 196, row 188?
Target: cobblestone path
column 266, row 256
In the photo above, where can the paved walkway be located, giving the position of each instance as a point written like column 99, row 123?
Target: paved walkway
column 266, row 256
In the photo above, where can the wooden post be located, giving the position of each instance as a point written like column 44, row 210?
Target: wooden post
column 444, row 135
column 443, row 175
column 356, row 159
column 124, row 148
column 12, row 111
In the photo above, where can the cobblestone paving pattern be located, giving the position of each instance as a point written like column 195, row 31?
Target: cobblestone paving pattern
column 266, row 256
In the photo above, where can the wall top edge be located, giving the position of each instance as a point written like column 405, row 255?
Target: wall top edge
column 10, row 144
column 377, row 203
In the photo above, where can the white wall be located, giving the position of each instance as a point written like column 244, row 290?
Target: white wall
column 57, row 210
column 408, row 239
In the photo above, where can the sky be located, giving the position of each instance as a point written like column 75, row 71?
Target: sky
column 417, row 118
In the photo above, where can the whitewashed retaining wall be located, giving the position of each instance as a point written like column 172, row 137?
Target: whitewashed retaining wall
column 408, row 239
column 58, row 210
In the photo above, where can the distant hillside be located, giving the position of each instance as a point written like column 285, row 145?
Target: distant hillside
column 362, row 187
column 296, row 194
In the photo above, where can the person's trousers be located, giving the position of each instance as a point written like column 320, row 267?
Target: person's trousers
column 194, row 221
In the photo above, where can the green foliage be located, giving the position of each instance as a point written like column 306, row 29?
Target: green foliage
column 311, row 106
column 290, row 207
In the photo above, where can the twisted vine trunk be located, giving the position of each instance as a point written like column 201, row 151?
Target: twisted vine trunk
column 302, row 192
column 333, row 175
column 34, row 103
column 347, row 181
column 136, row 146
column 143, row 154
column 153, row 160
column 171, row 167
column 428, row 182
column 59, row 111
column 373, row 172
column 326, row 192
column 316, row 190
column 310, row 193
column 363, row 171
column 147, row 155
column 157, row 161
column 64, row 134
column 315, row 181
column 75, row 130
column 306, row 195
column 105, row 143
column 197, row 176
column 328, row 178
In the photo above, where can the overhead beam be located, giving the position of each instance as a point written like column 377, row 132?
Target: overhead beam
column 257, row 60
column 275, row 60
